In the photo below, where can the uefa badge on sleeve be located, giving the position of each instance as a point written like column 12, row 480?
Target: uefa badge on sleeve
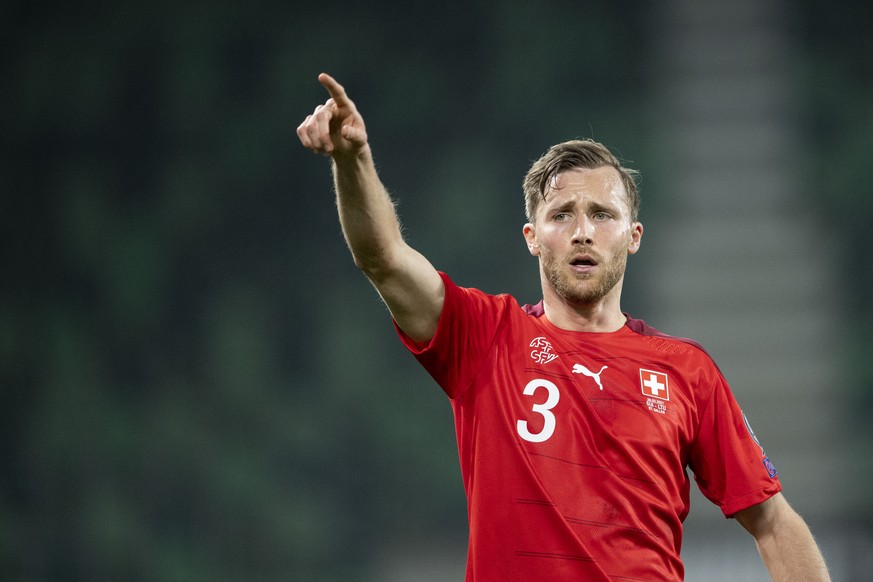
column 771, row 468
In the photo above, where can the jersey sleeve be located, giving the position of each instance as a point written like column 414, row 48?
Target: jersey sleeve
column 729, row 465
column 467, row 326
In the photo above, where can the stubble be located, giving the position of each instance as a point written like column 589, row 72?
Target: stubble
column 583, row 288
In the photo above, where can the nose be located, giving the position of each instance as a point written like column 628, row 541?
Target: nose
column 583, row 234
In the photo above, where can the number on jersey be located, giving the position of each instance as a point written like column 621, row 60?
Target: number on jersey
column 544, row 409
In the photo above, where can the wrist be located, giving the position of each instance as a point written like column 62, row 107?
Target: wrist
column 355, row 167
column 361, row 155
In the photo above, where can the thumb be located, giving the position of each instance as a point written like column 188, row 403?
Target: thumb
column 356, row 135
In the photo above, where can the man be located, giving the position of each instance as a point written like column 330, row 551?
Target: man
column 575, row 422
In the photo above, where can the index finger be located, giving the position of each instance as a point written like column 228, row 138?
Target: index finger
column 335, row 89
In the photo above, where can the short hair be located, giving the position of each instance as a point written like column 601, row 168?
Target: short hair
column 569, row 155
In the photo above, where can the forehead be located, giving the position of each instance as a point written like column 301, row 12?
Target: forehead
column 601, row 185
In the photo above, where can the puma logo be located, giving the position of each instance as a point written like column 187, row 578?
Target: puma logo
column 580, row 369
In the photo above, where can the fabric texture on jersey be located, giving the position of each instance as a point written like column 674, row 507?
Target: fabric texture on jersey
column 574, row 446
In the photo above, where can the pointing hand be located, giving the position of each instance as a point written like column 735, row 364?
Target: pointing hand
column 335, row 128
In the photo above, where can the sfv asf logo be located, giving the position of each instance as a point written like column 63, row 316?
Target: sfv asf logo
column 580, row 369
column 542, row 351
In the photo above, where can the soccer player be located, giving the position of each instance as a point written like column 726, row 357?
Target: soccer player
column 575, row 423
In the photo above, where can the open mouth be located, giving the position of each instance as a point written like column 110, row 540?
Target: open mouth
column 583, row 264
column 583, row 261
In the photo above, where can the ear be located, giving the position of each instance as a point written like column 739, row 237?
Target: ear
column 636, row 237
column 530, row 236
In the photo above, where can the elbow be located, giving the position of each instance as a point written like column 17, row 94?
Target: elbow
column 376, row 264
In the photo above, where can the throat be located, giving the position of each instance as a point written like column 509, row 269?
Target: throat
column 597, row 318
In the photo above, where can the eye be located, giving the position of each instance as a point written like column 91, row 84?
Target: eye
column 601, row 216
column 561, row 216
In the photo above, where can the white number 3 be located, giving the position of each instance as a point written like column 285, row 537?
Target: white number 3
column 545, row 409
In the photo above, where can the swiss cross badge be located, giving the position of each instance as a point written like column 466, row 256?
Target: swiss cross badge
column 655, row 384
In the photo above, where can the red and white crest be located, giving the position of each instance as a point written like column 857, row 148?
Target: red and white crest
column 655, row 384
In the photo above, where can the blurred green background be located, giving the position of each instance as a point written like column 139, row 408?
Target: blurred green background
column 197, row 383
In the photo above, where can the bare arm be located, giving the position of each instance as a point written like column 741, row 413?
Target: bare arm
column 408, row 283
column 784, row 541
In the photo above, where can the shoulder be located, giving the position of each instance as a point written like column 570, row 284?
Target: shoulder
column 676, row 348
column 663, row 341
column 477, row 300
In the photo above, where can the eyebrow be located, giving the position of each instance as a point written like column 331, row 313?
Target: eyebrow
column 597, row 207
column 563, row 207
column 590, row 206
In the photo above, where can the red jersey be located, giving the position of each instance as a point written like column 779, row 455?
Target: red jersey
column 574, row 446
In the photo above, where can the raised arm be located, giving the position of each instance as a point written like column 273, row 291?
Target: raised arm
column 408, row 283
column 784, row 541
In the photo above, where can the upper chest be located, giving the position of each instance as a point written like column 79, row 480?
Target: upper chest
column 625, row 386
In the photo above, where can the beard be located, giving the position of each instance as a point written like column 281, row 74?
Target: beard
column 585, row 288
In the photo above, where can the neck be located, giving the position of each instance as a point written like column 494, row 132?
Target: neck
column 601, row 316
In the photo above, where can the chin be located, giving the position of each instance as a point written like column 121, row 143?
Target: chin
column 573, row 291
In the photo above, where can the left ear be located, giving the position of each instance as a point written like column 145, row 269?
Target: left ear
column 530, row 236
column 636, row 237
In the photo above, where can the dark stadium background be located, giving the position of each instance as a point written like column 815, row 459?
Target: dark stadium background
column 196, row 382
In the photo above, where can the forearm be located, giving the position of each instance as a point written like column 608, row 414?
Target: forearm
column 790, row 552
column 410, row 286
column 366, row 211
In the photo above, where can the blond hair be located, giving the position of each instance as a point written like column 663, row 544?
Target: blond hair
column 579, row 153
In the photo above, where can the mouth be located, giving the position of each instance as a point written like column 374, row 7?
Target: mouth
column 583, row 263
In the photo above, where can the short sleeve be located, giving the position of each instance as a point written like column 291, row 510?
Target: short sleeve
column 467, row 326
column 729, row 464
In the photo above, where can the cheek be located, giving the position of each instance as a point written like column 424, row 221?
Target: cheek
column 553, row 234
column 547, row 246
